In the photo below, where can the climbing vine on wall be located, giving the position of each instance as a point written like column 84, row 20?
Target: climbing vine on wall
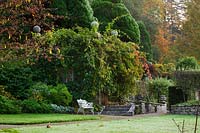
column 100, row 62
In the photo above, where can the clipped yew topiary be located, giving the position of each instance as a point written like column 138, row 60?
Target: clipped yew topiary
column 79, row 12
column 108, row 11
column 145, row 44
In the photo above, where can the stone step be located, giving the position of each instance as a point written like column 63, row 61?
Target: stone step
column 117, row 110
column 118, row 113
column 118, row 106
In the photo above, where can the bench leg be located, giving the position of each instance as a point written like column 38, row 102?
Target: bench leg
column 92, row 110
column 81, row 110
column 78, row 110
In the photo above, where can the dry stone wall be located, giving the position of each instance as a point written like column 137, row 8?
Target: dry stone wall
column 185, row 110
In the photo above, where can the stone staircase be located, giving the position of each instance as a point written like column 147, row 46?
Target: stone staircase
column 120, row 110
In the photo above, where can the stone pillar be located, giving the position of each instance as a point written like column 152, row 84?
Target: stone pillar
column 163, row 104
column 164, row 108
column 143, row 107
column 158, row 108
column 150, row 107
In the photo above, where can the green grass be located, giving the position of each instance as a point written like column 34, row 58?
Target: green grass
column 152, row 124
column 19, row 119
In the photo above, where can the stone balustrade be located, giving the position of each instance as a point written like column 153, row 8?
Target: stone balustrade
column 150, row 107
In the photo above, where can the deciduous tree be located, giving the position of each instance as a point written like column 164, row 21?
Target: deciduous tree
column 190, row 39
column 18, row 18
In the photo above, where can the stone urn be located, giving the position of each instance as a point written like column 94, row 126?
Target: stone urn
column 163, row 99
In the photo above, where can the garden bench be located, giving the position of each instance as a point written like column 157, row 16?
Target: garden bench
column 84, row 105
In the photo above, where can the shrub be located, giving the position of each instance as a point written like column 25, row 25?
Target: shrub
column 32, row 106
column 158, row 87
column 53, row 94
column 162, row 70
column 3, row 92
column 45, row 108
column 17, row 79
column 187, row 63
column 61, row 109
column 60, row 95
column 8, row 106
column 190, row 103
column 39, row 91
column 138, row 110
column 97, row 107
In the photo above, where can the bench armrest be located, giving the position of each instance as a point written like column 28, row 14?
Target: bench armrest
column 90, row 104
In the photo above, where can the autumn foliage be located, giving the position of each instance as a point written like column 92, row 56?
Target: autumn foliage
column 162, row 42
column 18, row 17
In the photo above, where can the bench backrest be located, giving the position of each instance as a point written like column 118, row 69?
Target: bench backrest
column 83, row 103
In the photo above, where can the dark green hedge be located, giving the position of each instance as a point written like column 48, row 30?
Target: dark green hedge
column 8, row 106
column 17, row 80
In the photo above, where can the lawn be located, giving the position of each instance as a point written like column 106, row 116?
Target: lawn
column 19, row 119
column 150, row 124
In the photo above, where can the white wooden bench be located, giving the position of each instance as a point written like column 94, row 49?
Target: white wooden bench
column 84, row 105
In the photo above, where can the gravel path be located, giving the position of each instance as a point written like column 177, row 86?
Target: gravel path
column 103, row 118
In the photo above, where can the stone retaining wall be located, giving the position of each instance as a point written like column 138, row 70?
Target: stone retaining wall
column 186, row 110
